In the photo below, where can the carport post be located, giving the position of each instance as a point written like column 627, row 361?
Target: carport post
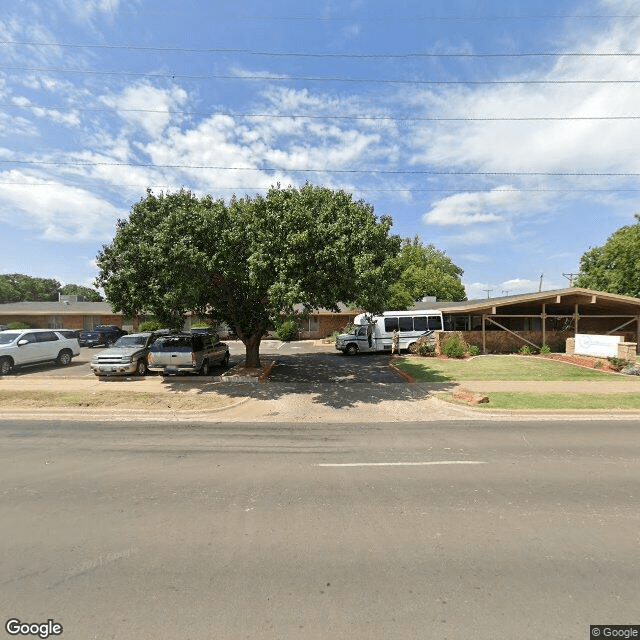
column 484, row 341
column 544, row 324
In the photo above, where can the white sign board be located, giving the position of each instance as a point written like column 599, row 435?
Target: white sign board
column 602, row 346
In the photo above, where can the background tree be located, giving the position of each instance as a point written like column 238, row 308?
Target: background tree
column 78, row 290
column 16, row 287
column 249, row 262
column 615, row 266
column 424, row 271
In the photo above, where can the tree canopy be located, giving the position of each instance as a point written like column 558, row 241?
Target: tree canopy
column 424, row 271
column 78, row 290
column 615, row 266
column 248, row 262
column 17, row 287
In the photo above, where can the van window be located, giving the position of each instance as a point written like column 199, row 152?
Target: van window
column 435, row 323
column 420, row 323
column 390, row 324
column 406, row 323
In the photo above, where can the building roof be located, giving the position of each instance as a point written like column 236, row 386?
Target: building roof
column 56, row 309
column 558, row 301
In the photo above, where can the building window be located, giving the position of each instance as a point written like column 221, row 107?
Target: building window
column 55, row 322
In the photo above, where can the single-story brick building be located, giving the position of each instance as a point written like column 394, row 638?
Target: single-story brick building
column 66, row 314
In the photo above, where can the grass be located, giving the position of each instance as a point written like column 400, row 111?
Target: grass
column 516, row 368
column 507, row 400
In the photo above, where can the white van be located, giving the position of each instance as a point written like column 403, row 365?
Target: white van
column 374, row 333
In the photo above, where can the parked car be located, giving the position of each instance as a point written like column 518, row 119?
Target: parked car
column 127, row 356
column 30, row 346
column 103, row 334
column 187, row 353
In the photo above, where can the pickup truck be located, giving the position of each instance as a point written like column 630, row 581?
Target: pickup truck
column 127, row 356
column 102, row 335
column 187, row 353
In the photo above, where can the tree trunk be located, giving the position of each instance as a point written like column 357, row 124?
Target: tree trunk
column 252, row 347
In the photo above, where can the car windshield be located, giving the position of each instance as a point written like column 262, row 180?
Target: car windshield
column 131, row 341
column 8, row 336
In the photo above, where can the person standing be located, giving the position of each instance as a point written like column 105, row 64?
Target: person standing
column 395, row 342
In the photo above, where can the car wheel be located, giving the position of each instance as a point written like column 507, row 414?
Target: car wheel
column 351, row 349
column 6, row 366
column 204, row 369
column 64, row 358
column 141, row 368
column 412, row 348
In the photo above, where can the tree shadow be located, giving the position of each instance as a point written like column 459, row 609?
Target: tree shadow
column 331, row 381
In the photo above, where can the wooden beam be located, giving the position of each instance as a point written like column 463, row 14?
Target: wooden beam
column 593, row 299
column 484, row 337
column 533, row 344
column 558, row 299
column 621, row 326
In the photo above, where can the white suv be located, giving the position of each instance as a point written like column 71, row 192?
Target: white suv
column 29, row 346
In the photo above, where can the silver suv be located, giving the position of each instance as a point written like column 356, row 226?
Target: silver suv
column 30, row 346
column 128, row 355
column 187, row 353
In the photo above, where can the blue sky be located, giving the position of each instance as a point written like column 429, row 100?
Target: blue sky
column 467, row 122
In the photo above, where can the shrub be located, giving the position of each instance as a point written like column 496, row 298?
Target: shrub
column 151, row 325
column 545, row 350
column 597, row 364
column 473, row 350
column 287, row 330
column 18, row 325
column 452, row 347
column 526, row 350
column 617, row 364
column 426, row 349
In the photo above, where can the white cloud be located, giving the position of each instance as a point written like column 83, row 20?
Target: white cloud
column 139, row 104
column 473, row 208
column 54, row 210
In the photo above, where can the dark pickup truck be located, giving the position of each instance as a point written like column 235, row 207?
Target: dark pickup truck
column 102, row 335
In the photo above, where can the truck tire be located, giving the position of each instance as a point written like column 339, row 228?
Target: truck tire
column 141, row 367
column 204, row 369
column 351, row 349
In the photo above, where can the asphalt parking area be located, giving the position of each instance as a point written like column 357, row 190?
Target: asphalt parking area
column 334, row 367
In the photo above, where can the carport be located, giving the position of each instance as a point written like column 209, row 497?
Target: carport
column 500, row 325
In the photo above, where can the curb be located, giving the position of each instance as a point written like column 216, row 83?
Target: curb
column 403, row 374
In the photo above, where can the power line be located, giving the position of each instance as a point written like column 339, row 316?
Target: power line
column 287, row 78
column 306, row 54
column 404, row 120
column 560, row 174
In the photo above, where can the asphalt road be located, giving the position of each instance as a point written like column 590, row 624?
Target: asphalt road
column 441, row 530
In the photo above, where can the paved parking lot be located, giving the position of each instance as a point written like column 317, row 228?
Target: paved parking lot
column 298, row 362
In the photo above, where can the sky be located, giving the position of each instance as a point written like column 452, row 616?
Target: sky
column 503, row 132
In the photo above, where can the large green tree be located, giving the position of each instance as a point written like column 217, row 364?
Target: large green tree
column 248, row 262
column 615, row 266
column 424, row 271
column 17, row 287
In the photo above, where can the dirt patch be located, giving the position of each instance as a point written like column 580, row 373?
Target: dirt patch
column 37, row 399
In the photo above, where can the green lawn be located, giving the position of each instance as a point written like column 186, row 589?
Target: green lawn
column 507, row 400
column 515, row 368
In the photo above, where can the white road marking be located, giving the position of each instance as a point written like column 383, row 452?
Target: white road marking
column 397, row 464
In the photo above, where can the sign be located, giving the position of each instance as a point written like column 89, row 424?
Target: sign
column 594, row 345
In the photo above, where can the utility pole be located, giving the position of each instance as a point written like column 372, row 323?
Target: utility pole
column 570, row 277
column 540, row 286
column 488, row 292
column 506, row 293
